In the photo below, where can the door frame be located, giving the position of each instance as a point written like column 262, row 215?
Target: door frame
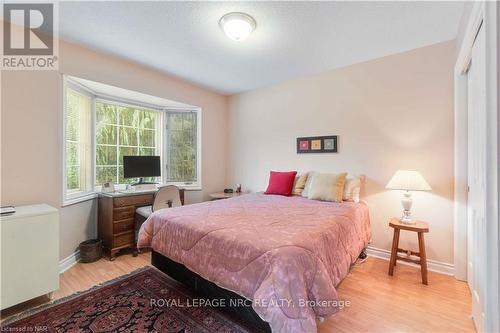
column 484, row 15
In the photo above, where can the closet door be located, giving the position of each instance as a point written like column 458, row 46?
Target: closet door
column 476, row 230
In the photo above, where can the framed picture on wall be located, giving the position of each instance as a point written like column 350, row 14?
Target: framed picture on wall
column 317, row 144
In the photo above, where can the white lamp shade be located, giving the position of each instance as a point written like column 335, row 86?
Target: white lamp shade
column 408, row 180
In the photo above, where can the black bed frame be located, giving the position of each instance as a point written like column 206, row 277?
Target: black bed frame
column 210, row 290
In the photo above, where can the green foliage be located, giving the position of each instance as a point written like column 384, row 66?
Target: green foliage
column 122, row 131
column 72, row 177
column 72, row 136
column 105, row 173
column 182, row 147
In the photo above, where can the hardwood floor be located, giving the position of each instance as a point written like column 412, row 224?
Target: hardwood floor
column 378, row 302
column 84, row 276
column 400, row 303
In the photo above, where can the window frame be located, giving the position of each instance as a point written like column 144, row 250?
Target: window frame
column 186, row 185
column 75, row 197
column 72, row 196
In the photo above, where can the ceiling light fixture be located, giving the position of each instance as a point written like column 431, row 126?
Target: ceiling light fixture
column 237, row 26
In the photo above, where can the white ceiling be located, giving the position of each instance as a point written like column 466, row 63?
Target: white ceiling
column 292, row 39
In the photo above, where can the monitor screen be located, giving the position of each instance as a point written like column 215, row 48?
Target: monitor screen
column 141, row 166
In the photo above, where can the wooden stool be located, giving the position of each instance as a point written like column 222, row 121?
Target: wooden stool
column 420, row 228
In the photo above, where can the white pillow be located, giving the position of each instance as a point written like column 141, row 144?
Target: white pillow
column 310, row 176
column 299, row 184
column 352, row 188
column 327, row 187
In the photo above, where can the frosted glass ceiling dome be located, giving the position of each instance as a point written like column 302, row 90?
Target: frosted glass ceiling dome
column 237, row 26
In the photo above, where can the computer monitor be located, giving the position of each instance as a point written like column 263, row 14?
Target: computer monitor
column 141, row 167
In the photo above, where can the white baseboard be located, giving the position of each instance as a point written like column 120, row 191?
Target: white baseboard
column 69, row 261
column 432, row 265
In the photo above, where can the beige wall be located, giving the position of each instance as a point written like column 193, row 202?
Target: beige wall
column 391, row 113
column 31, row 132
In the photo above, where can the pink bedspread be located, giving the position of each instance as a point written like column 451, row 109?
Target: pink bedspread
column 287, row 254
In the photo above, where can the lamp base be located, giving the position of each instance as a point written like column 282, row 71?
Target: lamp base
column 407, row 203
column 406, row 219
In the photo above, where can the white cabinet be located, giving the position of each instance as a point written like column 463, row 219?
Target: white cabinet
column 29, row 254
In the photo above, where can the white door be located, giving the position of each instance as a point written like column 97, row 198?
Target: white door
column 476, row 229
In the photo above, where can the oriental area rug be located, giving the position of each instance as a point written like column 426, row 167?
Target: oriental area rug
column 143, row 301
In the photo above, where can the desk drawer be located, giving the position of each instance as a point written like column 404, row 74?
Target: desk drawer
column 145, row 199
column 124, row 239
column 122, row 226
column 123, row 213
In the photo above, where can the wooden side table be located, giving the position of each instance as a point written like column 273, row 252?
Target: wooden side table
column 420, row 228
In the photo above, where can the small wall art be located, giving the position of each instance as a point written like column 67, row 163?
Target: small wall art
column 317, row 144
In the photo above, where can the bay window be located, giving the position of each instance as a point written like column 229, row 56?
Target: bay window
column 99, row 129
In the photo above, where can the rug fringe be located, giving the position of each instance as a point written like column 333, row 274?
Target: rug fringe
column 56, row 302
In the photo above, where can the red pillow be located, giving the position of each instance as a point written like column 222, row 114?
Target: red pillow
column 281, row 183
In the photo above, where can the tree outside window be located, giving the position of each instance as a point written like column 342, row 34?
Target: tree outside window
column 181, row 149
column 123, row 131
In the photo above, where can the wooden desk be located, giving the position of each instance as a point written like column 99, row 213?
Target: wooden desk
column 420, row 228
column 115, row 221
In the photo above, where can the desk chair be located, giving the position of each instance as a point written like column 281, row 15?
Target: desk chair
column 165, row 197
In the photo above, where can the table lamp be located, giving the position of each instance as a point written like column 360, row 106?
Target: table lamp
column 407, row 180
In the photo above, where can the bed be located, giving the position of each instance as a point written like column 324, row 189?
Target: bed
column 286, row 255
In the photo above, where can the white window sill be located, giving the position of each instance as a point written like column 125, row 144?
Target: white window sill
column 81, row 197
column 186, row 187
column 191, row 188
column 121, row 187
column 77, row 198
